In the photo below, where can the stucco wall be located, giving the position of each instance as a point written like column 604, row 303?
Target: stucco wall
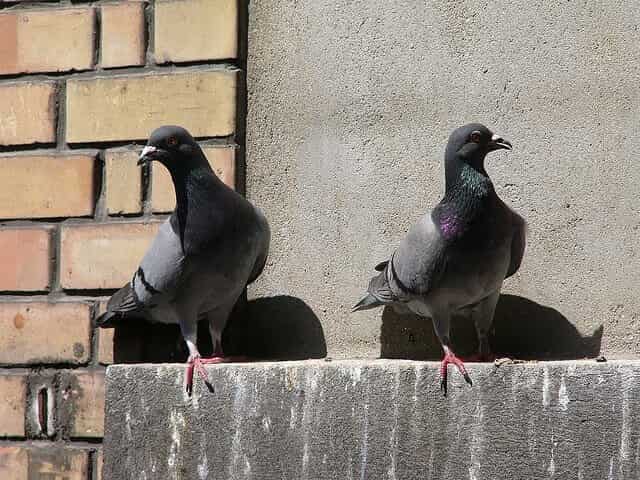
column 349, row 107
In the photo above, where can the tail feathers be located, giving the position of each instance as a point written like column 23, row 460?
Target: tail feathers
column 107, row 320
column 367, row 302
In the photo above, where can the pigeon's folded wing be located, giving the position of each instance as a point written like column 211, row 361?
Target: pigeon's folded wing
column 518, row 243
column 420, row 261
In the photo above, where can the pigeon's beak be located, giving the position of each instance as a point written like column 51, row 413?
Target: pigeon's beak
column 497, row 142
column 146, row 155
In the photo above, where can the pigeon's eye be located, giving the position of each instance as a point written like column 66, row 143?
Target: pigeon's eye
column 172, row 141
column 476, row 137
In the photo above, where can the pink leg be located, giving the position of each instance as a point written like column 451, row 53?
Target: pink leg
column 196, row 363
column 450, row 357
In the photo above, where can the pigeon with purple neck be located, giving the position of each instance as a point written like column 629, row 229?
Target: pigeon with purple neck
column 456, row 257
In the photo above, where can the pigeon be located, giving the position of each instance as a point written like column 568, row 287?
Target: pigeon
column 212, row 246
column 456, row 257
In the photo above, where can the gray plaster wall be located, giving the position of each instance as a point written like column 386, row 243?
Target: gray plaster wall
column 350, row 103
column 374, row 420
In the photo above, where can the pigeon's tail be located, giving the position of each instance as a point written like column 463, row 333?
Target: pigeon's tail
column 379, row 292
column 107, row 320
column 120, row 306
column 367, row 302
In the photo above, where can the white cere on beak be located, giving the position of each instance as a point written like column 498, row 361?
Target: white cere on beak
column 147, row 150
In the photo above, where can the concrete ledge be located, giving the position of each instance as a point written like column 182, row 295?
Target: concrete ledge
column 375, row 420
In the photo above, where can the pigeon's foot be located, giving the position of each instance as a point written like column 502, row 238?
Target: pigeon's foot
column 450, row 357
column 195, row 363
column 221, row 359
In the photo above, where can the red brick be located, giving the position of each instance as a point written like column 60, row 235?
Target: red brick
column 13, row 394
column 103, row 255
column 43, row 463
column 130, row 107
column 86, row 396
column 41, row 186
column 122, row 34
column 51, row 40
column 35, row 333
column 25, row 259
column 28, row 113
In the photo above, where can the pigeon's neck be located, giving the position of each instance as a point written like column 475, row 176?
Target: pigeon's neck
column 193, row 187
column 469, row 195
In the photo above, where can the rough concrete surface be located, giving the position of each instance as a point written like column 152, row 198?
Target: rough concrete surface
column 375, row 420
column 349, row 107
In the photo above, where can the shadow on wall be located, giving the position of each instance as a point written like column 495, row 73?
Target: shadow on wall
column 281, row 327
column 523, row 329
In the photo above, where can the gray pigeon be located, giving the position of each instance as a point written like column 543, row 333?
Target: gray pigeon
column 212, row 246
column 457, row 256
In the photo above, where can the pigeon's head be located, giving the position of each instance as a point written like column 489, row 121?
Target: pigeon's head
column 471, row 143
column 174, row 147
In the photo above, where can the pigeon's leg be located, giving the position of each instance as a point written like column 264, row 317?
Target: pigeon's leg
column 441, row 326
column 194, row 362
column 482, row 315
column 217, row 319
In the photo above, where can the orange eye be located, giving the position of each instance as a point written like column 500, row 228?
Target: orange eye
column 172, row 141
column 476, row 137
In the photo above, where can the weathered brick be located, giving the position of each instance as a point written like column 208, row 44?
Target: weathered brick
column 221, row 159
column 103, row 255
column 51, row 40
column 186, row 30
column 13, row 395
column 85, row 394
column 25, row 259
column 14, row 463
column 130, row 107
column 124, row 182
column 63, row 463
column 105, row 348
column 99, row 464
column 40, row 186
column 122, row 34
column 44, row 333
column 105, row 339
column 28, row 113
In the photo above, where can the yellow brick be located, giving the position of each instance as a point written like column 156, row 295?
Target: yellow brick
column 28, row 113
column 51, row 40
column 221, row 159
column 124, row 182
column 87, row 403
column 130, row 107
column 25, row 255
column 13, row 395
column 122, row 34
column 44, row 333
column 46, row 185
column 103, row 255
column 105, row 348
column 186, row 30
column 14, row 463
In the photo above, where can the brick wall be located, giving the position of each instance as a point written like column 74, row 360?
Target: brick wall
column 81, row 87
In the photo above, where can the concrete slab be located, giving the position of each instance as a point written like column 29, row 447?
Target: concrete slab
column 374, row 420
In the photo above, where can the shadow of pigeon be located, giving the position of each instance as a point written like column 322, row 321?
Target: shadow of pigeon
column 522, row 329
column 280, row 327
